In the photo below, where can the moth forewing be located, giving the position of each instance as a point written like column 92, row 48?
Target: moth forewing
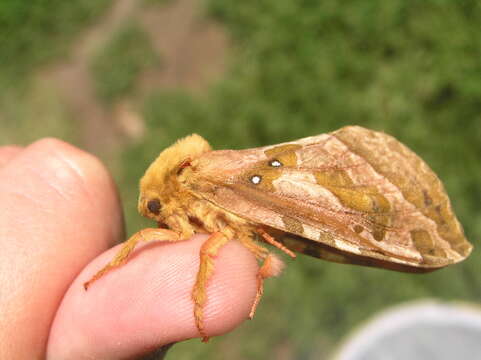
column 355, row 190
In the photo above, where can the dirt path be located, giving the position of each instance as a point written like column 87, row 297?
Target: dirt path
column 72, row 80
column 192, row 51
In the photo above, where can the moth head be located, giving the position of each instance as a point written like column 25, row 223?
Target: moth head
column 160, row 183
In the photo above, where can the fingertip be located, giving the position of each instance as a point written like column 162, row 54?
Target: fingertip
column 147, row 303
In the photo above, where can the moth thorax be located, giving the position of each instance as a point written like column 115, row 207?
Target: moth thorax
column 164, row 169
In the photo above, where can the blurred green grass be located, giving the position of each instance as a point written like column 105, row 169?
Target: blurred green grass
column 410, row 68
column 118, row 65
column 33, row 32
column 29, row 114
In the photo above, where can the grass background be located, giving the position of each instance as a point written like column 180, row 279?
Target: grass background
column 132, row 53
column 295, row 68
column 39, row 30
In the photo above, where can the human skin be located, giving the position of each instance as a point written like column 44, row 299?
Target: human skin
column 60, row 219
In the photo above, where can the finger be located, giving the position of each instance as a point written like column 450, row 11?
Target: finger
column 147, row 302
column 7, row 153
column 59, row 209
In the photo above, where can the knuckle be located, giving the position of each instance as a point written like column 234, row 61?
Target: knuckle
column 71, row 167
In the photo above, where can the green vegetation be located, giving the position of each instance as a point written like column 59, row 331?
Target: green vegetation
column 157, row 2
column 117, row 67
column 36, row 113
column 33, row 32
column 302, row 68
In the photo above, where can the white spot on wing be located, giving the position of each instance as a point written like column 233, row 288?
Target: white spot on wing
column 275, row 163
column 255, row 179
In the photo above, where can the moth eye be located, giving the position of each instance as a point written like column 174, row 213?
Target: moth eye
column 275, row 163
column 256, row 179
column 154, row 206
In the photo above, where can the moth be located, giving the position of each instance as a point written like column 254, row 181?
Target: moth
column 353, row 196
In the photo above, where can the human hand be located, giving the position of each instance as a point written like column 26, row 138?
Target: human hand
column 58, row 211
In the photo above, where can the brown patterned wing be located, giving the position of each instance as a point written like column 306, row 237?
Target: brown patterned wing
column 353, row 196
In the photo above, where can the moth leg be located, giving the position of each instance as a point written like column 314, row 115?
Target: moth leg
column 259, row 251
column 270, row 240
column 272, row 266
column 209, row 250
column 127, row 248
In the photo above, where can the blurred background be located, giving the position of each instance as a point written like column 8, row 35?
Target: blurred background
column 126, row 78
